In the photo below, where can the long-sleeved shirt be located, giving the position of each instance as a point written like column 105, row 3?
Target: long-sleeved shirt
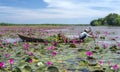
column 84, row 34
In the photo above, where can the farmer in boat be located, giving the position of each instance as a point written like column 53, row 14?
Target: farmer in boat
column 85, row 33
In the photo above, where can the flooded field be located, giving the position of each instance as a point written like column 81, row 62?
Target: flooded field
column 99, row 54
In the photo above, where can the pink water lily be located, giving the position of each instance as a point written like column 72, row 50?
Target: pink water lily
column 100, row 62
column 30, row 61
column 88, row 53
column 104, row 45
column 50, row 48
column 109, row 63
column 54, row 43
column 45, row 42
column 33, row 37
column 65, row 40
column 115, row 67
column 30, row 53
column 118, row 44
column 15, row 43
column 48, row 63
column 2, row 64
column 25, row 45
column 6, row 55
column 53, row 53
column 74, row 41
column 106, row 33
column 49, row 34
column 11, row 61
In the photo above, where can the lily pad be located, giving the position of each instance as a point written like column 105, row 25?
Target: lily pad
column 52, row 69
column 98, row 71
column 16, row 69
column 41, row 69
column 27, row 69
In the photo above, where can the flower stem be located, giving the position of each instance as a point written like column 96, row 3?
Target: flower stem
column 11, row 67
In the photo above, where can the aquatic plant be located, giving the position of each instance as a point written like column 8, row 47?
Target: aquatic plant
column 11, row 61
column 48, row 56
column 48, row 63
column 88, row 53
column 2, row 65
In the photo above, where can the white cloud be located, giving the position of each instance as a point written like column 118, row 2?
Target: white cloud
column 63, row 9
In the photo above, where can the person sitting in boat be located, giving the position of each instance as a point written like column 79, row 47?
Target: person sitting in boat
column 84, row 34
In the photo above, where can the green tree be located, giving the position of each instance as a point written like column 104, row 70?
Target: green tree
column 117, row 21
column 95, row 23
column 112, row 19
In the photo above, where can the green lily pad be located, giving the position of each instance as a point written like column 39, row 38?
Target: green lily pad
column 22, row 64
column 52, row 69
column 27, row 69
column 79, row 50
column 16, row 70
column 41, row 69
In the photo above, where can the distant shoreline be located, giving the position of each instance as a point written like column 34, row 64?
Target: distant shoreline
column 10, row 24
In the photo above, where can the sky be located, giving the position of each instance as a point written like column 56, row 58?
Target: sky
column 56, row 11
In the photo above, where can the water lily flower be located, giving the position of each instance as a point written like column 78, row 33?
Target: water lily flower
column 33, row 37
column 50, row 48
column 106, row 33
column 6, row 55
column 53, row 53
column 109, row 63
column 74, row 41
column 11, row 61
column 104, row 45
column 49, row 34
column 48, row 63
column 100, row 62
column 15, row 43
column 30, row 53
column 64, row 40
column 2, row 64
column 54, row 43
column 45, row 42
column 115, row 67
column 118, row 44
column 88, row 53
column 30, row 61
column 25, row 45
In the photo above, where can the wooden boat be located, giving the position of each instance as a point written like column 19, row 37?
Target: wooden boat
column 30, row 39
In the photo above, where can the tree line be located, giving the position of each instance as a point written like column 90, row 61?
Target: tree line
column 111, row 19
column 10, row 24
